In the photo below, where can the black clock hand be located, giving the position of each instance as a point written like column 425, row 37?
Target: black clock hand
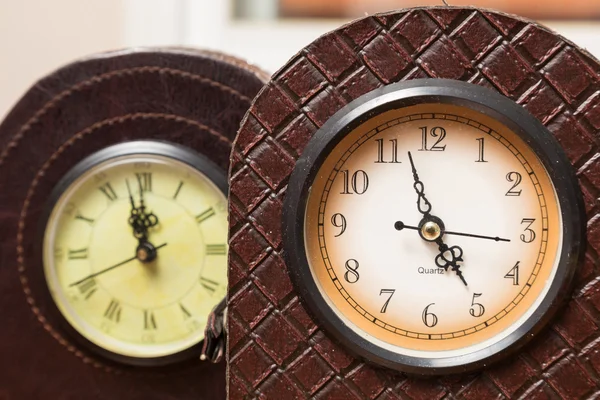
column 95, row 274
column 425, row 206
column 399, row 225
column 139, row 220
column 449, row 257
column 141, row 189
column 133, row 209
column 136, row 217
column 149, row 219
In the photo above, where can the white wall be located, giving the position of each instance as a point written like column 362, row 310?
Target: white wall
column 38, row 36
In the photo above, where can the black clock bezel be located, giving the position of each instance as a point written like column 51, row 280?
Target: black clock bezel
column 403, row 94
column 165, row 149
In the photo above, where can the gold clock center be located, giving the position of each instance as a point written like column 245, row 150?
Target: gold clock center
column 142, row 254
column 431, row 230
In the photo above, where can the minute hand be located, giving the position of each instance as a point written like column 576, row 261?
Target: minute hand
column 423, row 205
column 496, row 238
column 399, row 225
column 95, row 274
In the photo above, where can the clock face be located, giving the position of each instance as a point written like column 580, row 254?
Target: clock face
column 434, row 234
column 135, row 249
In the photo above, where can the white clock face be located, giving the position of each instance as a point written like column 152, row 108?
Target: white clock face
column 100, row 268
column 443, row 259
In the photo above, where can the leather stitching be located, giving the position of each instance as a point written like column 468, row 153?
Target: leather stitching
column 79, row 87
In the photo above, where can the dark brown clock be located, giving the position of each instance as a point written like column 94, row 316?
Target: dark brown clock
column 113, row 172
column 409, row 197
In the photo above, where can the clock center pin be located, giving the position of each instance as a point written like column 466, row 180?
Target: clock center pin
column 431, row 228
column 430, row 231
column 145, row 252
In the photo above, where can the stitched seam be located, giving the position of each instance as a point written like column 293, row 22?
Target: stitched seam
column 79, row 87
column 528, row 35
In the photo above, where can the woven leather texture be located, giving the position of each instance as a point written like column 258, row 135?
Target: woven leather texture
column 188, row 97
column 276, row 350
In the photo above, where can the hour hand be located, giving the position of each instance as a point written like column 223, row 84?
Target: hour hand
column 134, row 215
column 149, row 219
column 133, row 208
column 449, row 257
column 137, row 218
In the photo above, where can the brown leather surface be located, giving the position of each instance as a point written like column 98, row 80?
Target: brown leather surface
column 185, row 96
column 276, row 351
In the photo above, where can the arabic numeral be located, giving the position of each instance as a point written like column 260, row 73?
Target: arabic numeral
column 513, row 274
column 351, row 275
column 429, row 319
column 358, row 183
column 516, row 178
column 380, row 151
column 476, row 309
column 529, row 234
column 436, row 132
column 391, row 293
column 339, row 221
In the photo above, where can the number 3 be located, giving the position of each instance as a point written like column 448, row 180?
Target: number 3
column 530, row 234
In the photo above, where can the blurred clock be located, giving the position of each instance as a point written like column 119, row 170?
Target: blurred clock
column 114, row 225
column 134, row 250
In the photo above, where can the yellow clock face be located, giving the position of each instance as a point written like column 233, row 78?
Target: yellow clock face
column 135, row 254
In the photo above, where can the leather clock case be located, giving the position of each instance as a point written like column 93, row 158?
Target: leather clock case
column 276, row 350
column 189, row 97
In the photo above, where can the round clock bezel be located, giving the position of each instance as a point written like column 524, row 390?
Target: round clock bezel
column 421, row 91
column 163, row 149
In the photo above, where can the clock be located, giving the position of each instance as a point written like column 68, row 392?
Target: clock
column 119, row 160
column 406, row 200
column 134, row 250
column 441, row 225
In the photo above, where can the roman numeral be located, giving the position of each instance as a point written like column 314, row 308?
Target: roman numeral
column 209, row 284
column 81, row 217
column 204, row 215
column 113, row 312
column 144, row 181
column 108, row 191
column 80, row 254
column 216, row 249
column 149, row 320
column 177, row 190
column 186, row 313
column 87, row 288
column 58, row 254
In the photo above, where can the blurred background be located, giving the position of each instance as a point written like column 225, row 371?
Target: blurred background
column 38, row 36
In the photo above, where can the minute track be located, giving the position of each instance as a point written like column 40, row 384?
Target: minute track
column 341, row 164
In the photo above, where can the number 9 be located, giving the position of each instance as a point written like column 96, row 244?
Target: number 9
column 339, row 221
